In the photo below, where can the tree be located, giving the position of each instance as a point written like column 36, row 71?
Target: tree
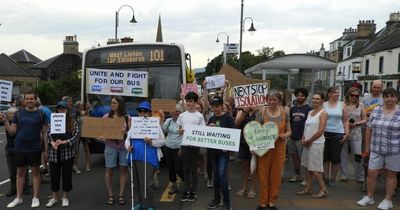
column 46, row 90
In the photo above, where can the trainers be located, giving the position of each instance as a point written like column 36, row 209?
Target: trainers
column 35, row 202
column 226, row 207
column 332, row 183
column 15, row 203
column 65, row 202
column 76, row 169
column 344, row 179
column 51, row 202
column 385, row 205
column 365, row 201
column 295, row 178
column 192, row 196
column 185, row 196
column 210, row 183
column 214, row 204
column 303, row 183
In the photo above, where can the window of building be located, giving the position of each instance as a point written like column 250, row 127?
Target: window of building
column 348, row 52
column 381, row 60
column 367, row 67
column 389, row 84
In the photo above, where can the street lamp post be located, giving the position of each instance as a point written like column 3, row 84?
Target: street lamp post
column 340, row 78
column 251, row 29
column 133, row 20
column 227, row 43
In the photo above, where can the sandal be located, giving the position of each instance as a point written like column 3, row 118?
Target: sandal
column 321, row 194
column 121, row 200
column 241, row 193
column 251, row 194
column 110, row 200
column 304, row 192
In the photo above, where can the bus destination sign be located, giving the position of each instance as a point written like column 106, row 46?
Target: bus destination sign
column 130, row 55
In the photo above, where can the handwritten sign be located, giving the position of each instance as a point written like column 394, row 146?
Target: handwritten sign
column 212, row 137
column 260, row 138
column 103, row 128
column 250, row 95
column 117, row 82
column 216, row 81
column 142, row 127
column 57, row 123
column 6, row 90
column 167, row 105
column 189, row 87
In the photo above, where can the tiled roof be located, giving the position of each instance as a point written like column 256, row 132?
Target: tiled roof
column 386, row 39
column 46, row 63
column 24, row 56
column 9, row 67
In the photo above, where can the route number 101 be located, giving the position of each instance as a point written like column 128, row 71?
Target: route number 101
column 156, row 55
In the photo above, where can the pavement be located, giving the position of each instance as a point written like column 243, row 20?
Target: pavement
column 89, row 191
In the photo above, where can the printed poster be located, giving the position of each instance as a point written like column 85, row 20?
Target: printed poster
column 117, row 82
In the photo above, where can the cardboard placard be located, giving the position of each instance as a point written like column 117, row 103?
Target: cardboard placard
column 57, row 123
column 103, row 128
column 212, row 137
column 233, row 75
column 167, row 105
column 6, row 88
column 261, row 138
column 251, row 95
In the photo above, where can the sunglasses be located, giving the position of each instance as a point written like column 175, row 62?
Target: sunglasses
column 355, row 95
column 142, row 110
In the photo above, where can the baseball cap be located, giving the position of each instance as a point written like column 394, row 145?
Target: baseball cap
column 217, row 100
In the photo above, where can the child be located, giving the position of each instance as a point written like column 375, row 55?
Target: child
column 190, row 154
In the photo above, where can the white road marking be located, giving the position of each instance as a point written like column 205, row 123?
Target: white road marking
column 5, row 181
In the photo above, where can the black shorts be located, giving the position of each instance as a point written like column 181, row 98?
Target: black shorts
column 244, row 151
column 28, row 158
column 333, row 147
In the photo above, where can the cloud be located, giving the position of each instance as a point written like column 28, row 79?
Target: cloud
column 291, row 25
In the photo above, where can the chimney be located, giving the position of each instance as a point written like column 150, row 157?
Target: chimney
column 71, row 45
column 322, row 51
column 366, row 28
column 126, row 40
column 394, row 19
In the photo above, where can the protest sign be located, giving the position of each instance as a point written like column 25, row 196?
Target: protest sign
column 232, row 75
column 117, row 82
column 142, row 127
column 103, row 128
column 261, row 138
column 57, row 123
column 167, row 105
column 216, row 81
column 6, row 90
column 212, row 137
column 189, row 87
column 250, row 95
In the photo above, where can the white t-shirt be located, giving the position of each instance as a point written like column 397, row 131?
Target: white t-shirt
column 190, row 118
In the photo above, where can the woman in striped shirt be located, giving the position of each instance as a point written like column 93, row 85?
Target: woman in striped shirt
column 61, row 154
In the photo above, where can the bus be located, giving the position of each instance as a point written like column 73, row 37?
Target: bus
column 123, row 69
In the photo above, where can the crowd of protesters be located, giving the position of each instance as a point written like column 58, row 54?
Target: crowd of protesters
column 318, row 137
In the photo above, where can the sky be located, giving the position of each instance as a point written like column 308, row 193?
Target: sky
column 294, row 26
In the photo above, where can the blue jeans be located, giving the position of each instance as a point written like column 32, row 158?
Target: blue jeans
column 219, row 161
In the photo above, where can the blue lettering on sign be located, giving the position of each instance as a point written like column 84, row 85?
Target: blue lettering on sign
column 96, row 88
